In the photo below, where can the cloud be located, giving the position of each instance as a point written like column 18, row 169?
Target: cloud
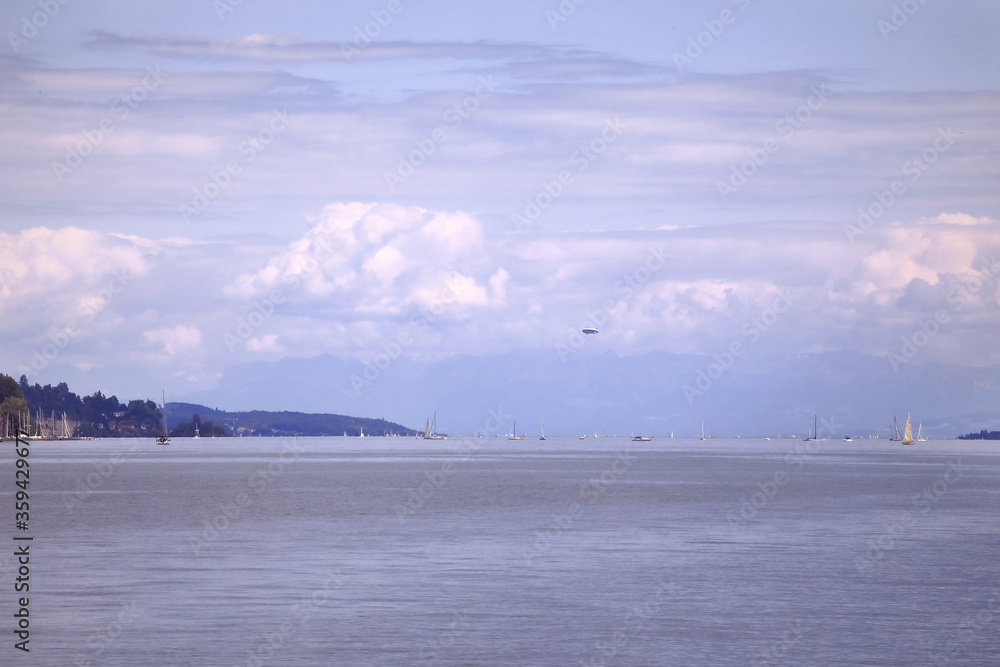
column 178, row 340
column 682, row 136
column 962, row 219
column 283, row 49
column 364, row 272
column 371, row 260
column 65, row 268
column 495, row 293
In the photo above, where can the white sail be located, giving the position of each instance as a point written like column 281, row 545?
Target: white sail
column 430, row 431
column 907, row 431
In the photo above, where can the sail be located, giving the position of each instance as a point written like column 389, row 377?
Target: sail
column 907, row 432
column 163, row 439
column 430, row 430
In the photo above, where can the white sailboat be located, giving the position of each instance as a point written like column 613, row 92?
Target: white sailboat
column 163, row 439
column 542, row 436
column 703, row 430
column 430, row 431
column 513, row 435
column 894, row 431
column 907, row 431
column 919, row 437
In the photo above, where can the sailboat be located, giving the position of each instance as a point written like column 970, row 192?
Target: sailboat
column 894, row 431
column 919, row 437
column 907, row 431
column 430, row 431
column 815, row 434
column 513, row 435
column 542, row 436
column 163, row 439
column 703, row 430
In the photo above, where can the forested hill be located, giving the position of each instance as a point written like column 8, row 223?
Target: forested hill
column 982, row 435
column 57, row 411
column 258, row 422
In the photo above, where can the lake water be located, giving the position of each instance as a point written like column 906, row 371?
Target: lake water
column 398, row 551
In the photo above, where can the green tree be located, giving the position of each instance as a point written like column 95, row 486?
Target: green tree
column 11, row 409
column 9, row 388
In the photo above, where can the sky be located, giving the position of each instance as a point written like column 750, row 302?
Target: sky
column 201, row 186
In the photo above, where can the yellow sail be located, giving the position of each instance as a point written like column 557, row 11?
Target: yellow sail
column 907, row 432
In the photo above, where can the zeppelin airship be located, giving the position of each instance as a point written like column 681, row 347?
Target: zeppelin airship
column 590, row 330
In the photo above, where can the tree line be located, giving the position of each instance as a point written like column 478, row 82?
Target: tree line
column 48, row 410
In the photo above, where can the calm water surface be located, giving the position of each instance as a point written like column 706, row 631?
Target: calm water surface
column 393, row 551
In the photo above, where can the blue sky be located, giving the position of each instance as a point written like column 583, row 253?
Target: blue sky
column 170, row 169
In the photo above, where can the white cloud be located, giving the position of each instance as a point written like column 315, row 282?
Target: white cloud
column 178, row 340
column 65, row 268
column 377, row 259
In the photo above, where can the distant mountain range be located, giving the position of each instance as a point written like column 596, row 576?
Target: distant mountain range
column 651, row 394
